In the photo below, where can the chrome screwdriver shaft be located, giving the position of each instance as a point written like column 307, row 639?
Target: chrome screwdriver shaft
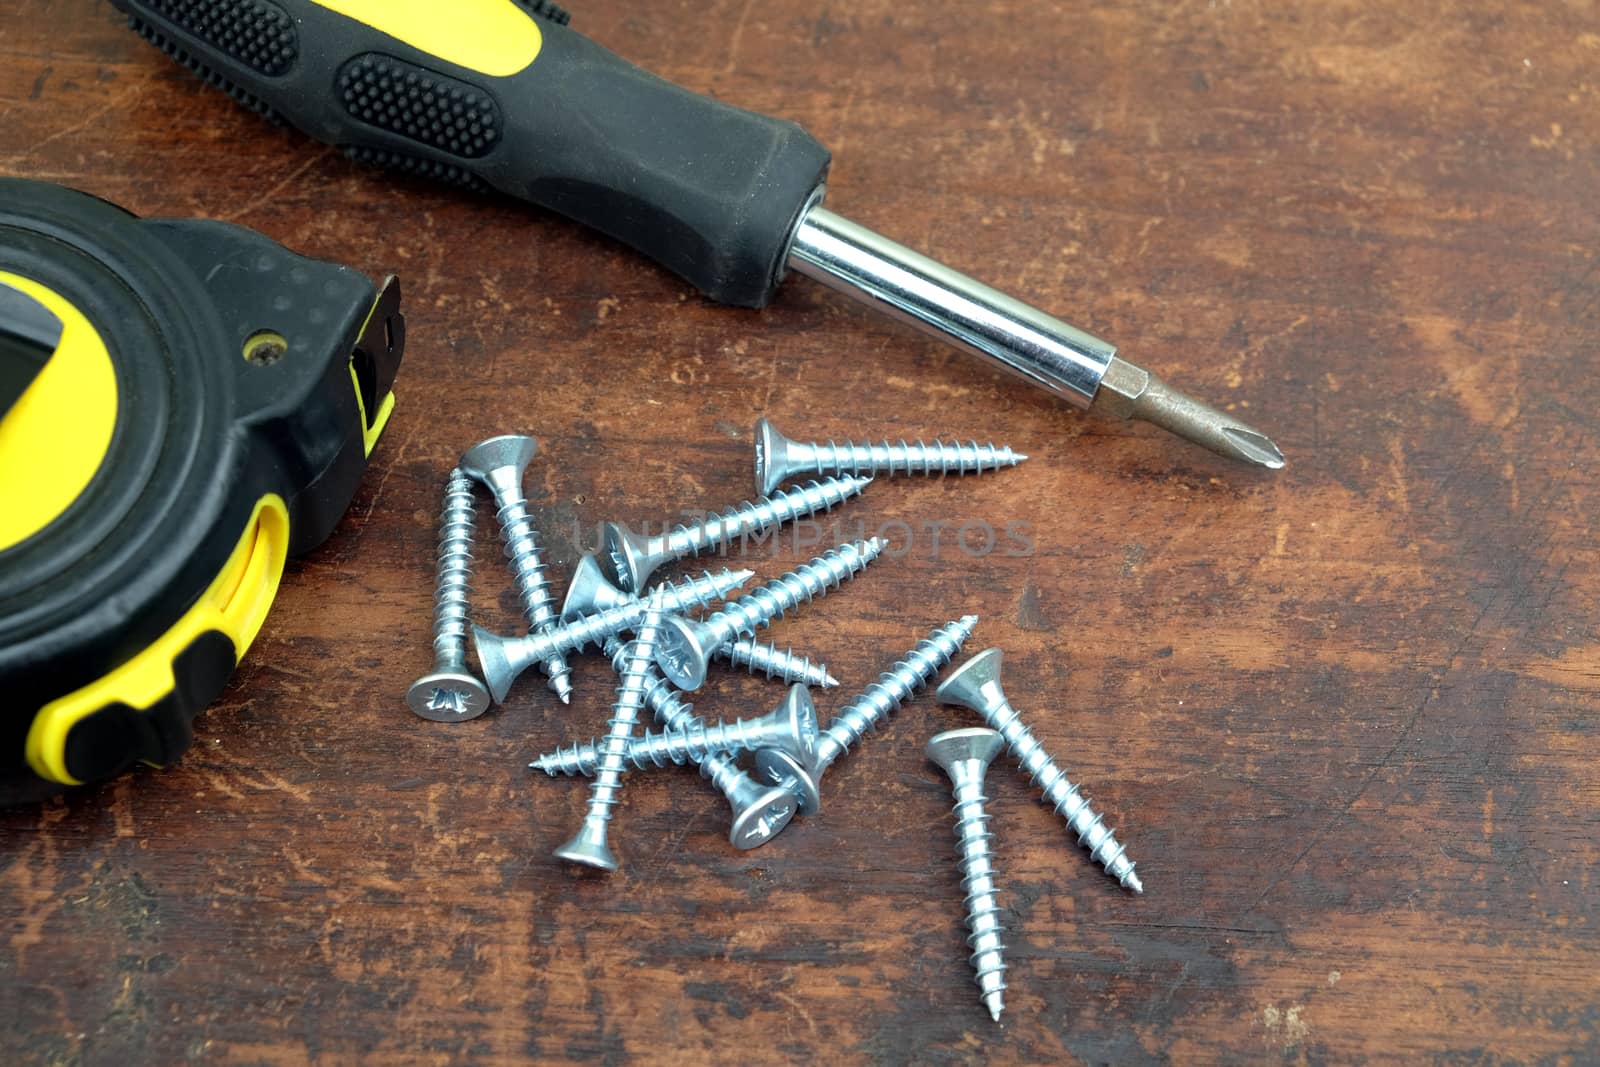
column 944, row 303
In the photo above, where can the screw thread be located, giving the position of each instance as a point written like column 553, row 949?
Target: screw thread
column 579, row 633
column 528, row 574
column 676, row 713
column 781, row 664
column 751, row 516
column 453, row 586
column 698, row 740
column 687, row 744
column 1060, row 793
column 698, row 593
column 894, row 687
column 891, row 458
column 985, row 932
column 527, row 569
column 630, row 701
column 800, row 586
column 723, row 773
column 569, row 761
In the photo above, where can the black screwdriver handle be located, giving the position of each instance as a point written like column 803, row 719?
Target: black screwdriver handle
column 483, row 93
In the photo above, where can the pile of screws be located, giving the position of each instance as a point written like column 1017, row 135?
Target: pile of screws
column 671, row 650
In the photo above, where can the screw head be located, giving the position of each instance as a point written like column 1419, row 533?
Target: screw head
column 448, row 696
column 590, row 592
column 795, row 776
column 499, row 459
column 975, row 743
column 772, row 461
column 761, row 817
column 975, row 684
column 681, row 653
column 800, row 715
column 589, row 849
column 500, row 667
column 626, row 551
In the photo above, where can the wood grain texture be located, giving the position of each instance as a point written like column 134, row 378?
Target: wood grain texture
column 1343, row 715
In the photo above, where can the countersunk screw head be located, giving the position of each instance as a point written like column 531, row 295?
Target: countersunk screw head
column 772, row 461
column 972, row 744
column 975, row 684
column 800, row 716
column 588, row 850
column 500, row 459
column 791, row 769
column 498, row 669
column 681, row 655
column 591, row 592
column 795, row 775
column 448, row 696
column 628, row 554
column 760, row 816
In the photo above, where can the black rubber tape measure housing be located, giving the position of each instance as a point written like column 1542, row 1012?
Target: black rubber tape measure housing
column 201, row 435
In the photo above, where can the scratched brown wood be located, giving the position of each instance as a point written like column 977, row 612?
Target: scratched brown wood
column 1344, row 715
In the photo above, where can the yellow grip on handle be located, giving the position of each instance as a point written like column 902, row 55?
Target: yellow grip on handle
column 493, row 37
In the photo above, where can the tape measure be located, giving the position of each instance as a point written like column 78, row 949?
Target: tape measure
column 183, row 405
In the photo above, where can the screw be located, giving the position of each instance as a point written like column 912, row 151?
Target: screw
column 450, row 692
column 589, row 846
column 976, row 685
column 893, row 688
column 592, row 592
column 778, row 459
column 635, row 557
column 965, row 756
column 779, row 663
column 759, row 812
column 499, row 464
column 686, row 645
column 503, row 659
column 791, row 726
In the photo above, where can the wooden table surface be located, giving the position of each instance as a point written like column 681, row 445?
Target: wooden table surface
column 1343, row 714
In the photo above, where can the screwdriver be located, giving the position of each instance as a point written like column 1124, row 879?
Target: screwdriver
column 502, row 94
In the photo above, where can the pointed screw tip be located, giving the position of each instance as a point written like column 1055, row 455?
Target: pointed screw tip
column 995, row 1004
column 1132, row 882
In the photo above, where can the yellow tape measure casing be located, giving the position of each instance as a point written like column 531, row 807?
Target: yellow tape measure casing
column 229, row 392
column 234, row 606
column 67, row 414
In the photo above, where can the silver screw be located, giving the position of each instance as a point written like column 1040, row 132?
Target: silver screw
column 503, row 659
column 782, row 664
column 635, row 557
column 589, row 845
column 499, row 464
column 778, row 459
column 976, row 685
column 759, row 812
column 592, row 592
column 791, row 726
column 965, row 756
column 450, row 692
column 893, row 688
column 686, row 645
